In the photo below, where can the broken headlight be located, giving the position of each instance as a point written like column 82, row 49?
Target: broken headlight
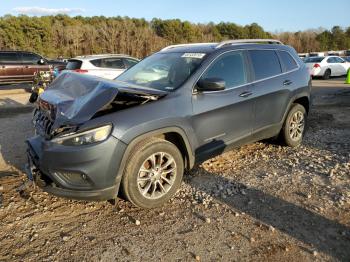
column 84, row 138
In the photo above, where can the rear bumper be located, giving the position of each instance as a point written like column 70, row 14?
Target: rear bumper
column 79, row 172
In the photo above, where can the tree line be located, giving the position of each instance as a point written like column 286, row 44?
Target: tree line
column 66, row 36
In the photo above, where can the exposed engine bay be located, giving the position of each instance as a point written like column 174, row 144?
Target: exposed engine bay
column 72, row 99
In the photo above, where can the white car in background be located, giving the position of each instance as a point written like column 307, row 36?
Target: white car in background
column 327, row 66
column 107, row 66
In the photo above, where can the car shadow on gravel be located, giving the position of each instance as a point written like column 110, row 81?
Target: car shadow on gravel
column 320, row 233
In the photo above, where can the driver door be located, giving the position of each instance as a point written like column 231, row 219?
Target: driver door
column 222, row 118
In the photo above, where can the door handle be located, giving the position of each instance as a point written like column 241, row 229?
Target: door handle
column 246, row 94
column 287, row 83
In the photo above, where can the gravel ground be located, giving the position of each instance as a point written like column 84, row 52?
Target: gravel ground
column 260, row 202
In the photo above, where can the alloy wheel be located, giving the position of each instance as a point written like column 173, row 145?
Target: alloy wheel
column 156, row 175
column 296, row 126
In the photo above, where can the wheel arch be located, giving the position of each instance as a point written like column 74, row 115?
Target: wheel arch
column 304, row 101
column 174, row 135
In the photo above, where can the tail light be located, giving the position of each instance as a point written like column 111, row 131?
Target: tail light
column 81, row 71
column 316, row 65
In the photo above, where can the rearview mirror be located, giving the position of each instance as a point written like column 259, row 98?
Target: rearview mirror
column 41, row 62
column 211, row 84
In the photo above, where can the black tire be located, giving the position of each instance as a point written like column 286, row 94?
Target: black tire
column 288, row 127
column 139, row 156
column 327, row 74
column 33, row 97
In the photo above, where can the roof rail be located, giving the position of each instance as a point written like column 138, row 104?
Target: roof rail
column 98, row 55
column 242, row 41
column 183, row 45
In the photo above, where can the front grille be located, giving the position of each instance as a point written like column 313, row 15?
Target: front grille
column 43, row 124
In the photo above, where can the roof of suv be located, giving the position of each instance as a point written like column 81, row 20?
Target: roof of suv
column 211, row 47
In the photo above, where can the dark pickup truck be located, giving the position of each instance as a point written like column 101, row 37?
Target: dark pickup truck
column 20, row 66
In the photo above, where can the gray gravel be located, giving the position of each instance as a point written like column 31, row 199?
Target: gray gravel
column 259, row 202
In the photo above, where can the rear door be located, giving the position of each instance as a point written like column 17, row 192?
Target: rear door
column 31, row 64
column 10, row 67
column 221, row 118
column 271, row 90
column 343, row 67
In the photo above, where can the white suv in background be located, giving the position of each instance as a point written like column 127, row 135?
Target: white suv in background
column 107, row 66
column 327, row 66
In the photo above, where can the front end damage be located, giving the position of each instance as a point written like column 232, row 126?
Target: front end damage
column 86, row 168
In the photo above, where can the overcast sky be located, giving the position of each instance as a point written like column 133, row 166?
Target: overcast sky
column 273, row 15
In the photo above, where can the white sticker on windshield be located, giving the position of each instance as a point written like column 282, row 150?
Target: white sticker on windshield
column 193, row 55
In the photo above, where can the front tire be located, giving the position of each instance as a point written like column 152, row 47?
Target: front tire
column 153, row 173
column 294, row 126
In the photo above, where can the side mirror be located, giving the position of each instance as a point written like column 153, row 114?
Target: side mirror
column 211, row 84
column 41, row 62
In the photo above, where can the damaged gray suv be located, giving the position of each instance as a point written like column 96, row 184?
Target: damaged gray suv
column 136, row 135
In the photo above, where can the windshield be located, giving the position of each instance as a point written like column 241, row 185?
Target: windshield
column 314, row 59
column 165, row 72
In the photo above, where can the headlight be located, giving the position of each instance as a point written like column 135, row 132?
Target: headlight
column 84, row 138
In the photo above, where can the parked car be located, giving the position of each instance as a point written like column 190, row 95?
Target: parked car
column 21, row 66
column 136, row 135
column 107, row 66
column 327, row 66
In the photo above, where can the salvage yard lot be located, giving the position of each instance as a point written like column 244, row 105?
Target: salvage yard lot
column 260, row 202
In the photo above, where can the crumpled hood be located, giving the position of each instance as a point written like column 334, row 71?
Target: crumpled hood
column 75, row 98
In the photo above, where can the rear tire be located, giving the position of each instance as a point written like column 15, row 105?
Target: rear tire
column 294, row 126
column 327, row 74
column 153, row 173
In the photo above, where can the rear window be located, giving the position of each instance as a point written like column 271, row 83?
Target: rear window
column 9, row 58
column 288, row 61
column 265, row 63
column 73, row 64
column 314, row 59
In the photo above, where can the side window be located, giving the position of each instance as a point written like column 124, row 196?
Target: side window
column 288, row 61
column 339, row 60
column 96, row 62
column 129, row 62
column 115, row 63
column 9, row 58
column 28, row 58
column 265, row 63
column 229, row 67
column 330, row 60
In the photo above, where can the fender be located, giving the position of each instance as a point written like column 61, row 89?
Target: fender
column 292, row 100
